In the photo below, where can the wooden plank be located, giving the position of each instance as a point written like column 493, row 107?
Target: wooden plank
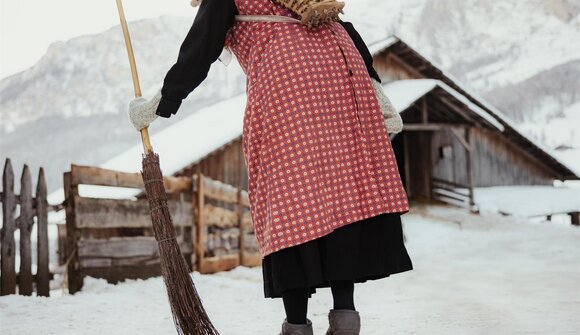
column 42, row 255
column 425, row 127
column 217, row 264
column 199, row 223
column 122, row 213
column 8, row 247
column 62, row 252
column 247, row 220
column 91, row 175
column 448, row 182
column 219, row 191
column 123, row 247
column 87, row 263
column 25, row 221
column 442, row 193
column 219, row 216
column 251, row 259
column 424, row 114
column 463, row 191
column 75, row 279
column 468, row 167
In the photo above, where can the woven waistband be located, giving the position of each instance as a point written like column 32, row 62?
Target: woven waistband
column 266, row 18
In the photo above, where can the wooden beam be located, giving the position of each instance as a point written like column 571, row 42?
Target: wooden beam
column 424, row 114
column 455, row 131
column 458, row 110
column 468, row 163
column 427, row 127
column 90, row 175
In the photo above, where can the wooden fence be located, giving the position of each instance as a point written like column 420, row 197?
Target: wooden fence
column 28, row 207
column 114, row 239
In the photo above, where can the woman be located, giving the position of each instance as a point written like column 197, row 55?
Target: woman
column 324, row 189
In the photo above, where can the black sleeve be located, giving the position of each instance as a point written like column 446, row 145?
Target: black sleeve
column 362, row 48
column 201, row 47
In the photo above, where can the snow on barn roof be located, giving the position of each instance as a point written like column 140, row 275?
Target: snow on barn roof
column 428, row 69
column 404, row 93
column 202, row 132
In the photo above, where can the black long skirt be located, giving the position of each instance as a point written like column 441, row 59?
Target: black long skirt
column 369, row 249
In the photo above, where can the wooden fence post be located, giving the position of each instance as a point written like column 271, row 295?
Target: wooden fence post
column 199, row 223
column 75, row 281
column 8, row 275
column 42, row 271
column 25, row 221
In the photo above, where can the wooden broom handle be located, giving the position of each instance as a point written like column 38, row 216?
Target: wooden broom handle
column 144, row 131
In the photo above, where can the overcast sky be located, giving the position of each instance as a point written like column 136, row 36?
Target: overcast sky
column 27, row 27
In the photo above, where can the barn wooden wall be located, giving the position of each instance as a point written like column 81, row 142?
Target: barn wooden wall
column 226, row 165
column 448, row 168
column 497, row 161
column 391, row 68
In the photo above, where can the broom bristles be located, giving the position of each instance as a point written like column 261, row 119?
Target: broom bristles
column 189, row 316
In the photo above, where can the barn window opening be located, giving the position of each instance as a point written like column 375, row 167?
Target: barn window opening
column 445, row 152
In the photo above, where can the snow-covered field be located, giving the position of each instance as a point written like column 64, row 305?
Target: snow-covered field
column 472, row 275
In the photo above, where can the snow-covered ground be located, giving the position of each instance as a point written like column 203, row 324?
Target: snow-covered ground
column 472, row 275
column 527, row 201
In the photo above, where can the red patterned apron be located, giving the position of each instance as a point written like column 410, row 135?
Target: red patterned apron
column 314, row 139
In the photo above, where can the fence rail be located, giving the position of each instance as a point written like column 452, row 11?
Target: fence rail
column 27, row 208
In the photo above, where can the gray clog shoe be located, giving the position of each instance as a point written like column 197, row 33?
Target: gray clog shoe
column 343, row 322
column 297, row 329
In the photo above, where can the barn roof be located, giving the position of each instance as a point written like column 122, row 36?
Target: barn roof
column 424, row 68
column 404, row 93
column 202, row 132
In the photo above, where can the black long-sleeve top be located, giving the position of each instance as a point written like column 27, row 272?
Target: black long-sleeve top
column 204, row 43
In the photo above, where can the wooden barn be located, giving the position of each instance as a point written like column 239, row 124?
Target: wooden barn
column 453, row 140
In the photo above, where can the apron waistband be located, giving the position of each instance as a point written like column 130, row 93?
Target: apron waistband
column 266, row 18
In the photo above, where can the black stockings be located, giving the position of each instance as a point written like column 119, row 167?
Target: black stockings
column 296, row 300
column 296, row 305
column 343, row 294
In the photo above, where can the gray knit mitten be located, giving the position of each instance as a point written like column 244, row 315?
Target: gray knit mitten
column 142, row 111
column 393, row 120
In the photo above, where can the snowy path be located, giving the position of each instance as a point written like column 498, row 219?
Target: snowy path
column 477, row 275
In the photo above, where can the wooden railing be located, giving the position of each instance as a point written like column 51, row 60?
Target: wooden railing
column 29, row 208
column 113, row 238
column 451, row 193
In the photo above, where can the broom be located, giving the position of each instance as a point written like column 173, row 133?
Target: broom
column 189, row 316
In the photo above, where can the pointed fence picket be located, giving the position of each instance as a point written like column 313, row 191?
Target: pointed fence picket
column 29, row 207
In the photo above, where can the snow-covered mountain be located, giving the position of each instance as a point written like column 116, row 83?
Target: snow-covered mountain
column 71, row 106
column 522, row 55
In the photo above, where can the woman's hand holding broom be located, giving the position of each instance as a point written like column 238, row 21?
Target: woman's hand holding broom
column 142, row 111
